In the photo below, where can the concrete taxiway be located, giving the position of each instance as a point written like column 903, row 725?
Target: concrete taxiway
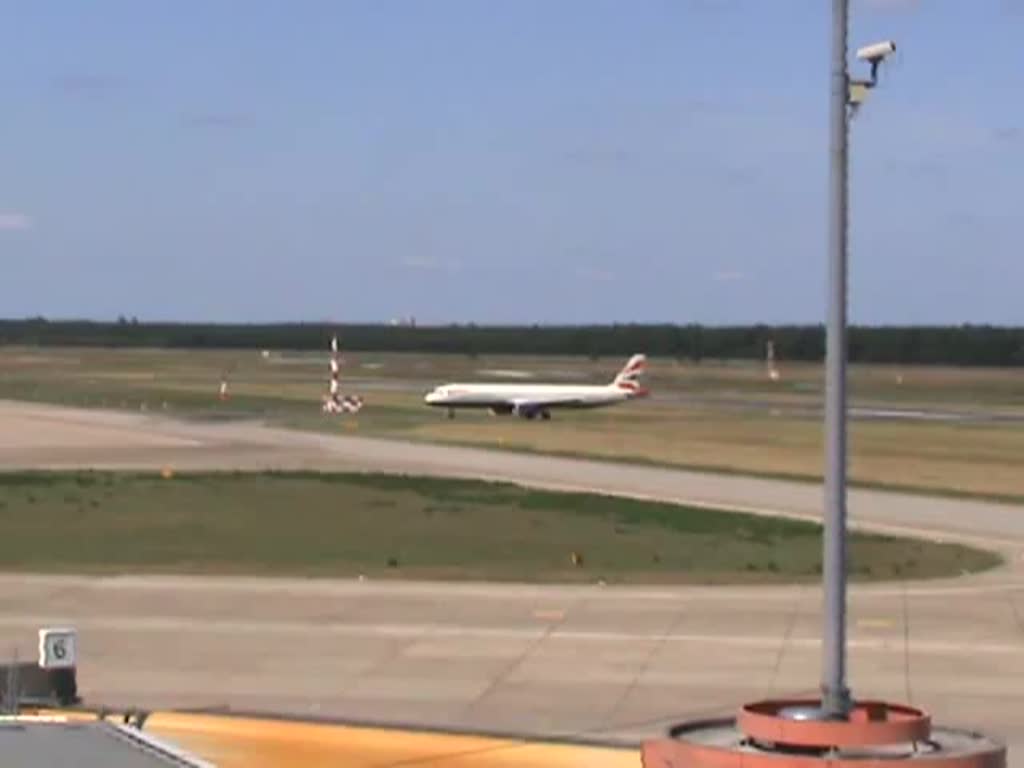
column 598, row 663
column 46, row 436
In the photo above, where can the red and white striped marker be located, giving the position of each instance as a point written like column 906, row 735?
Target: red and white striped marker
column 335, row 402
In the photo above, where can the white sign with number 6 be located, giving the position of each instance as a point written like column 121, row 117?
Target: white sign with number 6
column 58, row 648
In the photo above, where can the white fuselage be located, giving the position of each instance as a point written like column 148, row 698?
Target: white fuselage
column 513, row 398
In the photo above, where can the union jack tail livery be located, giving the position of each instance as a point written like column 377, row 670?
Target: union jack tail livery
column 629, row 377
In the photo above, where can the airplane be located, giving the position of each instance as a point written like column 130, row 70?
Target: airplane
column 529, row 401
column 334, row 401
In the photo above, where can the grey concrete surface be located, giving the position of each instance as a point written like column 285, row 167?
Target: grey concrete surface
column 77, row 745
column 595, row 662
column 603, row 663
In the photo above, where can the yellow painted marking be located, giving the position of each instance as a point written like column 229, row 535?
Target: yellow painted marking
column 874, row 623
column 231, row 742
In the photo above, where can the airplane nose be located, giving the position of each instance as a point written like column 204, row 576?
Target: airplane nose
column 430, row 397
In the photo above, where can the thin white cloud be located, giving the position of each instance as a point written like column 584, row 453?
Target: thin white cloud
column 729, row 276
column 1008, row 134
column 215, row 120
column 596, row 275
column 420, row 262
column 85, row 84
column 12, row 220
column 429, row 264
column 892, row 5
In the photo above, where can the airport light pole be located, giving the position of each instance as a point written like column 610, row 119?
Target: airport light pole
column 835, row 700
column 846, row 96
column 878, row 732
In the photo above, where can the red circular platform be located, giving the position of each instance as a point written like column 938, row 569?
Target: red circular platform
column 870, row 723
column 877, row 734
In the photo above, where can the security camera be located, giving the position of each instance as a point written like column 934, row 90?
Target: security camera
column 875, row 52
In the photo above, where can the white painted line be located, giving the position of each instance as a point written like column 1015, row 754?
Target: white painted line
column 435, row 631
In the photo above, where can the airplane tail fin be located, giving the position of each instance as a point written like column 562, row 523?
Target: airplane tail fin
column 629, row 377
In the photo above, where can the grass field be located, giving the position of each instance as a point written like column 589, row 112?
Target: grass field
column 720, row 416
column 345, row 524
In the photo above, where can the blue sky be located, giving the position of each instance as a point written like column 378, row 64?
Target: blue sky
column 527, row 161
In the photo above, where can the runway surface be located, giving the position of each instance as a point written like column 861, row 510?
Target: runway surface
column 593, row 662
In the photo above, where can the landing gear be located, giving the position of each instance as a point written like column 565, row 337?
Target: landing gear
column 532, row 414
column 451, row 413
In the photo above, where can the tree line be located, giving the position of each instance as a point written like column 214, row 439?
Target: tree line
column 963, row 345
